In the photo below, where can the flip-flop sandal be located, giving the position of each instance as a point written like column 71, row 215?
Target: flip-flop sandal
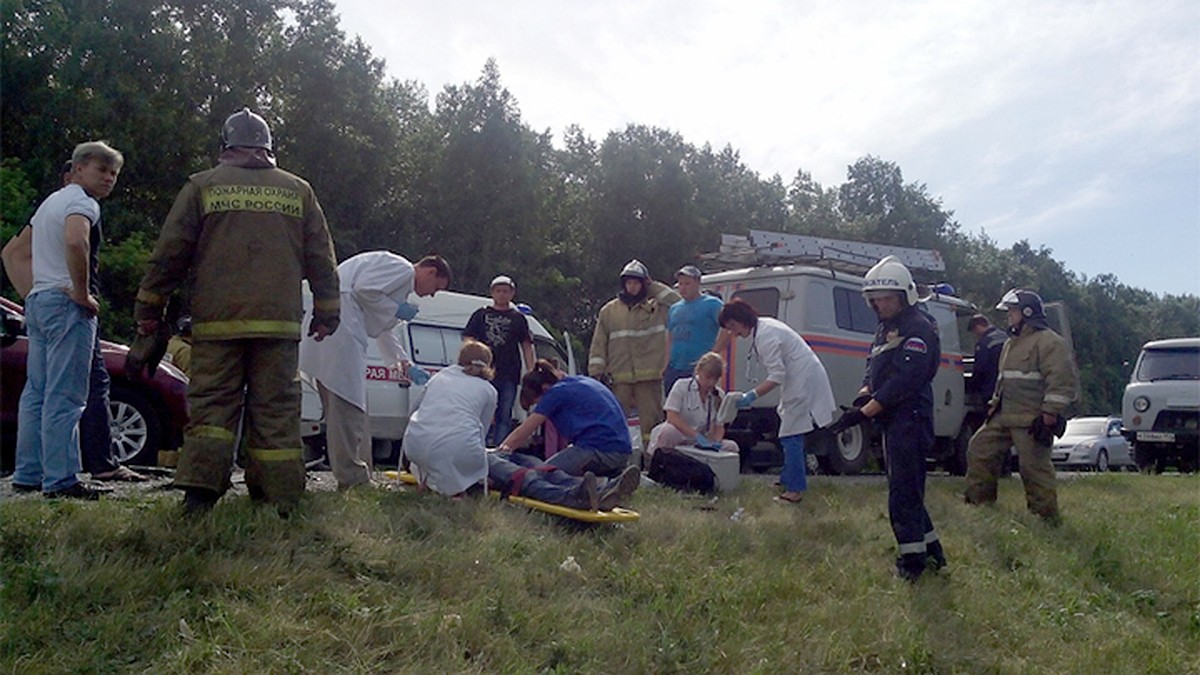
column 789, row 500
column 121, row 474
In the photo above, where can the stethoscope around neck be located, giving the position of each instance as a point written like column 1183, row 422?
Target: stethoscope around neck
column 752, row 355
column 708, row 408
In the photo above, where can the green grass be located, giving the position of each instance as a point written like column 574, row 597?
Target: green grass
column 380, row 581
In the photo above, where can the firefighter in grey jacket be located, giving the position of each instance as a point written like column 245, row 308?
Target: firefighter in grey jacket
column 629, row 345
column 1037, row 382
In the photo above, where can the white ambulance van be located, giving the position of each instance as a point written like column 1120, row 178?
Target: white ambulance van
column 432, row 340
column 1161, row 407
column 814, row 285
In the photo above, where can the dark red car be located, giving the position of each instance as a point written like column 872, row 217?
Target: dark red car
column 147, row 415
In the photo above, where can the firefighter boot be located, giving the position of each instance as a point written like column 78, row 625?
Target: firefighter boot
column 935, row 557
column 910, row 566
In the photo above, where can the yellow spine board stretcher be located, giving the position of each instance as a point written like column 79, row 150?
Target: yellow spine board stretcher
column 617, row 515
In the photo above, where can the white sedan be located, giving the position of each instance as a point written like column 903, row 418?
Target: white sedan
column 1092, row 443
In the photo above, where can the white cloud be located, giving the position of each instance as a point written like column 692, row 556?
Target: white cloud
column 1022, row 109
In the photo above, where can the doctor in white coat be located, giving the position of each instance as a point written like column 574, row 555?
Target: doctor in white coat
column 806, row 401
column 444, row 440
column 375, row 290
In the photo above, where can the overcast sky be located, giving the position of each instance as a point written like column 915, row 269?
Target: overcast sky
column 1075, row 125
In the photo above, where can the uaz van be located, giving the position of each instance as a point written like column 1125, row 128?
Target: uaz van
column 823, row 303
column 1161, row 407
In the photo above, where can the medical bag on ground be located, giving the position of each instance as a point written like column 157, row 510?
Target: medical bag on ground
column 726, row 466
column 673, row 468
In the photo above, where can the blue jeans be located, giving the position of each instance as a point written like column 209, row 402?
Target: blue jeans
column 61, row 337
column 506, row 393
column 553, row 486
column 578, row 461
column 795, row 466
column 95, row 427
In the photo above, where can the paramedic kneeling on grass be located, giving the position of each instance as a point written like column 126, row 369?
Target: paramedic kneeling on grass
column 692, row 408
column 806, row 401
column 584, row 411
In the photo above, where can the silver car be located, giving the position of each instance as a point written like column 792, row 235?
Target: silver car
column 1092, row 443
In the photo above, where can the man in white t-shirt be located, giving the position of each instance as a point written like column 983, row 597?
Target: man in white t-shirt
column 60, row 320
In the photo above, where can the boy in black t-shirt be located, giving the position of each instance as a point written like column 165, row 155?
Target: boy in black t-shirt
column 504, row 328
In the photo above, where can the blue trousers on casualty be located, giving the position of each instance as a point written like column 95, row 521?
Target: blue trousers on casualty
column 794, row 477
column 551, row 485
column 906, row 436
column 61, row 336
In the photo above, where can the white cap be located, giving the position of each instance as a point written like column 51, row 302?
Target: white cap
column 503, row 279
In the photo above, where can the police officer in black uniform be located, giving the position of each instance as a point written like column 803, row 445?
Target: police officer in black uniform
column 898, row 393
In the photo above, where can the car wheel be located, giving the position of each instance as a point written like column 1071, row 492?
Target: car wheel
column 1102, row 461
column 135, row 427
column 845, row 453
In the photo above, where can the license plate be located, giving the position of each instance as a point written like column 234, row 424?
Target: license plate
column 1156, row 436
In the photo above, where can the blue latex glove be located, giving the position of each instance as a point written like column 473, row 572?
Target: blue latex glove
column 418, row 375
column 406, row 311
column 747, row 400
column 703, row 443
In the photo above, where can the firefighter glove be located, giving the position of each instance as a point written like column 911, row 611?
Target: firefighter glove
column 851, row 417
column 323, row 319
column 146, row 352
column 1044, row 433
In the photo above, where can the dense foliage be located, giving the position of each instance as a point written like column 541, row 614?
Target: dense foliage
column 462, row 173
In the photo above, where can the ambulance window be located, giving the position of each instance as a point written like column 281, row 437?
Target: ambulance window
column 819, row 306
column 765, row 301
column 433, row 346
column 947, row 326
column 851, row 312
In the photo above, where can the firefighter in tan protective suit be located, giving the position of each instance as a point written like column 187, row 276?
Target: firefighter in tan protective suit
column 243, row 234
column 1037, row 381
column 629, row 345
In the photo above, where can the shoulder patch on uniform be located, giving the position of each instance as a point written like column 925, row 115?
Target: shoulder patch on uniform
column 915, row 344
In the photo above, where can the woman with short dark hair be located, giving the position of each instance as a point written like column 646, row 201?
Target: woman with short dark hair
column 806, row 399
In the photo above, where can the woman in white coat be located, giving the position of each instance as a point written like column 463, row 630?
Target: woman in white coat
column 806, row 401
column 375, row 288
column 444, row 441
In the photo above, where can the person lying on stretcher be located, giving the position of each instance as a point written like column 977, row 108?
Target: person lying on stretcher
column 528, row 476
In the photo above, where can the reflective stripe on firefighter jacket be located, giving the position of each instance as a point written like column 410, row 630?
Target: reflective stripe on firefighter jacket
column 630, row 343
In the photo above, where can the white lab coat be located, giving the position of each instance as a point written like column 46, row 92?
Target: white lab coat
column 444, row 440
column 373, row 284
column 805, row 397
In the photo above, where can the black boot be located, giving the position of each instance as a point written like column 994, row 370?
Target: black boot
column 198, row 501
column 910, row 566
column 935, row 557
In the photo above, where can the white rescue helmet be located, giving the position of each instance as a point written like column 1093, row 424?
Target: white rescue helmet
column 890, row 276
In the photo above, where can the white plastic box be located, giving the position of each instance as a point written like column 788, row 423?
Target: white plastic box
column 724, row 464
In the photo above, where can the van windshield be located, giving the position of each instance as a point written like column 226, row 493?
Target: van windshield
column 1168, row 364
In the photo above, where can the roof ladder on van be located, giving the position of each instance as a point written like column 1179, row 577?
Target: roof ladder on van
column 760, row 247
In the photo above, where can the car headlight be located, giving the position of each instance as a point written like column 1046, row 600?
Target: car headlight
column 1141, row 404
